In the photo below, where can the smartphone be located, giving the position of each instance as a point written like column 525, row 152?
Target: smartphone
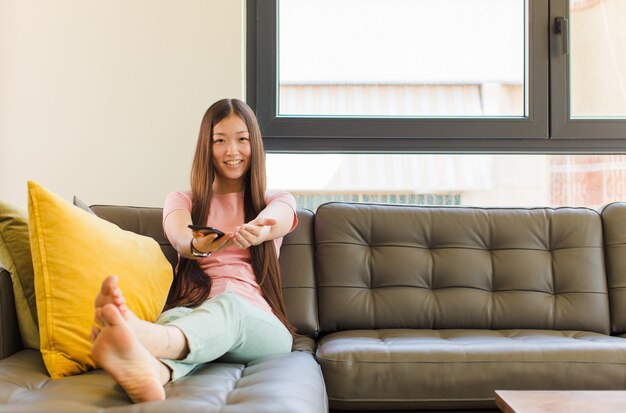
column 208, row 230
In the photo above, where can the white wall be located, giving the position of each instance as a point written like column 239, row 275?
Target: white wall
column 103, row 99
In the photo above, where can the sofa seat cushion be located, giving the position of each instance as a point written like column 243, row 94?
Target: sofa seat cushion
column 401, row 368
column 286, row 383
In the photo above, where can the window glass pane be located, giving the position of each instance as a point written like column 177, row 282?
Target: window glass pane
column 418, row 58
column 598, row 58
column 480, row 180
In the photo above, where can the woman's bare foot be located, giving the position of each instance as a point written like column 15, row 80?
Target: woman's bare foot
column 110, row 293
column 160, row 341
column 117, row 350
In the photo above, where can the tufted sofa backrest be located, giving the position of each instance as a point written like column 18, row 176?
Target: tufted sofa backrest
column 383, row 266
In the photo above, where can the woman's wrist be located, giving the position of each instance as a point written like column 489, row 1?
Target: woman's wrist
column 195, row 253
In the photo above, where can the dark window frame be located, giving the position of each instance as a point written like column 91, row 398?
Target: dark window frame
column 537, row 133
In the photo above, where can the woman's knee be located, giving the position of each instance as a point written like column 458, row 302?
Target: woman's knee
column 228, row 302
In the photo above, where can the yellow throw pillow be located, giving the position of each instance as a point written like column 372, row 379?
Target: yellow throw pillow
column 73, row 251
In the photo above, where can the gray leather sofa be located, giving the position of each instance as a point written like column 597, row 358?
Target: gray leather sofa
column 402, row 308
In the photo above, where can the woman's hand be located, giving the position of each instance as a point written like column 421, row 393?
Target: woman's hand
column 207, row 242
column 254, row 232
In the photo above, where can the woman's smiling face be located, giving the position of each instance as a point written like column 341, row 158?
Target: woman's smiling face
column 231, row 152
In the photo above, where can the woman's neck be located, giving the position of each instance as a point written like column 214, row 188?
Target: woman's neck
column 227, row 186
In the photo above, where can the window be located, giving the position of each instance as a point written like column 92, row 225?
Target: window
column 411, row 76
column 369, row 60
column 591, row 180
column 442, row 102
column 589, row 70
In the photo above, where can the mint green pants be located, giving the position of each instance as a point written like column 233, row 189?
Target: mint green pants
column 225, row 327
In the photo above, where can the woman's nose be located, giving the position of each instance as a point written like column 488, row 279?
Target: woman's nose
column 232, row 148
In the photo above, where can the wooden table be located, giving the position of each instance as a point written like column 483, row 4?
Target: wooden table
column 544, row 401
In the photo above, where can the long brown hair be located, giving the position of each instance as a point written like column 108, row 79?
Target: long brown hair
column 191, row 286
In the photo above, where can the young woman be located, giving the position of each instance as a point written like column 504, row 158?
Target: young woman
column 226, row 299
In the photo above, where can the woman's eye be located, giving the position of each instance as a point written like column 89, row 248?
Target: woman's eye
column 243, row 138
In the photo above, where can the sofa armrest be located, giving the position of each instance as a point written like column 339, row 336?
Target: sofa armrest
column 9, row 333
